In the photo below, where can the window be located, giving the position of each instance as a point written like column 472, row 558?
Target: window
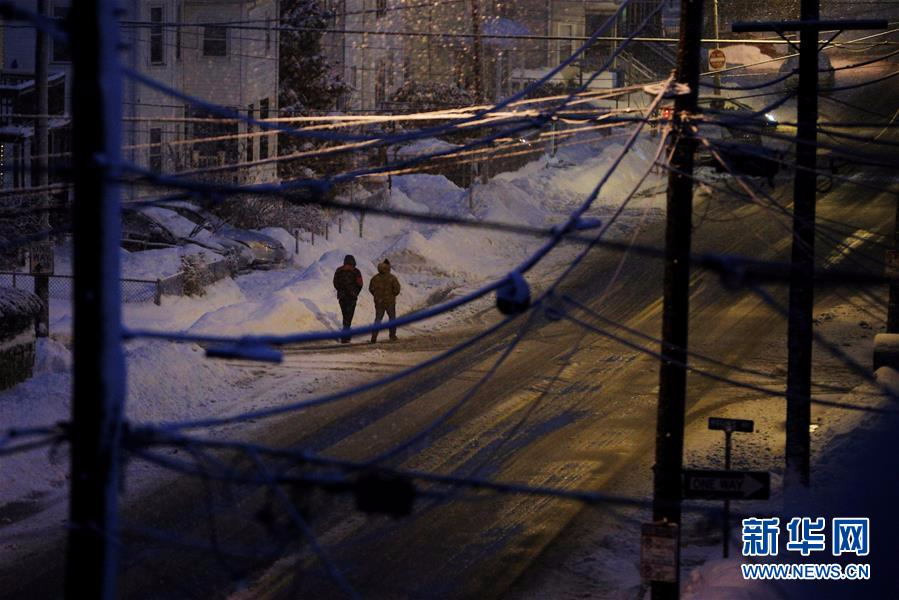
column 250, row 138
column 567, row 45
column 268, row 34
column 215, row 40
column 263, row 140
column 205, row 124
column 381, row 8
column 61, row 52
column 157, row 47
column 180, row 12
column 156, row 150
column 381, row 84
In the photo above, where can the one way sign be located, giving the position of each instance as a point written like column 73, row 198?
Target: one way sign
column 726, row 485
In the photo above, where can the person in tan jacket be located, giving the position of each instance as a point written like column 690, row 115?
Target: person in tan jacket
column 385, row 287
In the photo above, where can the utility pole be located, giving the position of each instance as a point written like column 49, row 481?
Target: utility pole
column 892, row 260
column 42, row 250
column 476, row 33
column 666, row 501
column 717, row 31
column 99, row 372
column 800, row 336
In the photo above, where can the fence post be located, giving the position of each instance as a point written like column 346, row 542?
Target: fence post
column 157, row 295
column 14, row 279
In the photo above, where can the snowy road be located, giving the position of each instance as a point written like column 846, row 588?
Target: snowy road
column 580, row 408
column 567, row 409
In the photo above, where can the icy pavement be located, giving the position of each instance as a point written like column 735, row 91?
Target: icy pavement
column 598, row 555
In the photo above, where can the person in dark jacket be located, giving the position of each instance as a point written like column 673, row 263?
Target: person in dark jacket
column 348, row 283
column 385, row 287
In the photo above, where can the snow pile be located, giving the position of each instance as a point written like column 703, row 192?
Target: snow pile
column 430, row 260
column 424, row 147
column 51, row 357
column 743, row 54
column 161, row 262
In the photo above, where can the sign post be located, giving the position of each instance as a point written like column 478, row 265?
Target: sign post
column 727, row 485
column 659, row 552
column 717, row 59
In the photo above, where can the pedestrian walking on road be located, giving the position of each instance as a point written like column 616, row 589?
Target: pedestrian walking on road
column 348, row 283
column 385, row 287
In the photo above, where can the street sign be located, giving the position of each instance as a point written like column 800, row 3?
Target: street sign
column 726, row 485
column 659, row 552
column 717, row 59
column 41, row 258
column 722, row 424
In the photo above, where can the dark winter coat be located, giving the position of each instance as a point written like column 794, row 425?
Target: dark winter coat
column 384, row 286
column 348, row 282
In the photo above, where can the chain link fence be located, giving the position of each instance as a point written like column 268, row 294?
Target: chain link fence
column 62, row 286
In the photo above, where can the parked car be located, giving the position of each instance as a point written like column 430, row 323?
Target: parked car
column 154, row 227
column 265, row 250
column 741, row 147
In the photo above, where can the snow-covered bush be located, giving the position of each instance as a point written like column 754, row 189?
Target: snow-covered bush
column 193, row 272
column 428, row 95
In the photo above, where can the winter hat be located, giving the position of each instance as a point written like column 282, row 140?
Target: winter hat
column 349, row 259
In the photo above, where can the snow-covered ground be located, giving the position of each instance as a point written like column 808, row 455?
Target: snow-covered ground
column 434, row 263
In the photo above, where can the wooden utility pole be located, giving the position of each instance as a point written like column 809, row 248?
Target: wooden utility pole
column 716, row 25
column 41, row 260
column 800, row 335
column 892, row 261
column 476, row 33
column 666, row 502
column 99, row 372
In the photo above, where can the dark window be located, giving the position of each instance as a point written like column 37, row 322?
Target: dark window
column 156, row 150
column 61, row 52
column 263, row 140
column 268, row 35
column 381, row 9
column 205, row 124
column 178, row 33
column 157, row 47
column 215, row 40
column 250, row 137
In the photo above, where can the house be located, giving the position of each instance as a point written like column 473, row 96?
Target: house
column 487, row 49
column 181, row 44
column 365, row 45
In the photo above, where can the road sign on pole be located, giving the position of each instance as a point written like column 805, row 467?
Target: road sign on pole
column 726, row 485
column 717, row 59
column 731, row 425
column 659, row 549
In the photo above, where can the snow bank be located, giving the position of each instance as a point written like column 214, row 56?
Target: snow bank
column 743, row 54
column 424, row 147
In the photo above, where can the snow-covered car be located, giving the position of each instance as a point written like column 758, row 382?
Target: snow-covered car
column 266, row 251
column 741, row 146
column 736, row 131
column 154, row 227
column 827, row 77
